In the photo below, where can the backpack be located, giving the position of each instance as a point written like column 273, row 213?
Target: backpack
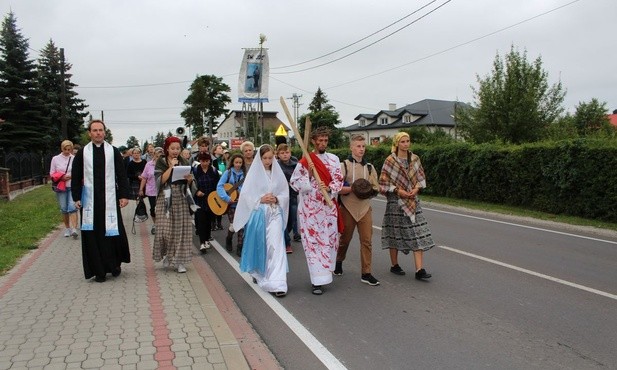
column 141, row 215
column 370, row 168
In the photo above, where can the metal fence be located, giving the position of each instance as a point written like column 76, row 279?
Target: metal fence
column 26, row 165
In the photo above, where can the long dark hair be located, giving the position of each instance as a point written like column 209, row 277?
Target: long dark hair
column 233, row 158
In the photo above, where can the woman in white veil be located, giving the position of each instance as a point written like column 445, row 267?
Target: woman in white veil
column 262, row 212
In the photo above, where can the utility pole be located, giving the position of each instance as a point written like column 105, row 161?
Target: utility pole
column 296, row 105
column 63, row 97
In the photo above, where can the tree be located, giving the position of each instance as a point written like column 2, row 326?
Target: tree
column 322, row 113
column 132, row 142
column 592, row 118
column 514, row 104
column 205, row 103
column 50, row 84
column 159, row 139
column 21, row 106
column 422, row 135
column 320, row 102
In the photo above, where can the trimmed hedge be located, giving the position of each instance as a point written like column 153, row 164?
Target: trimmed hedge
column 573, row 177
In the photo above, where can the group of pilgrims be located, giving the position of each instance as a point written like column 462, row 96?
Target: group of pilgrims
column 319, row 200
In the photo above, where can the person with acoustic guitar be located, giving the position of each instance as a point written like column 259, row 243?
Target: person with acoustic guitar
column 234, row 175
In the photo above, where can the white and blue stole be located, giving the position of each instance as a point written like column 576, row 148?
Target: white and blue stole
column 111, row 215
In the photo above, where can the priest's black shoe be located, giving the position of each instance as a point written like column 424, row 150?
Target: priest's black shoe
column 100, row 279
column 116, row 272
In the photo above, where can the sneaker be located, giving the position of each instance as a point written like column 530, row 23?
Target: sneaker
column 280, row 294
column 317, row 290
column 422, row 275
column 396, row 269
column 338, row 270
column 369, row 279
column 202, row 248
column 74, row 233
column 166, row 262
column 181, row 268
column 67, row 233
column 288, row 249
column 297, row 238
column 208, row 245
column 153, row 230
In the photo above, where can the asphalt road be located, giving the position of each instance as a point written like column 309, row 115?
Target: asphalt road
column 506, row 293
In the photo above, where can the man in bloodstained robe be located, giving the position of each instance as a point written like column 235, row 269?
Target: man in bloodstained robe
column 319, row 222
column 100, row 188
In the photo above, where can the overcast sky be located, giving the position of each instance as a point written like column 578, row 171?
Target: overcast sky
column 166, row 44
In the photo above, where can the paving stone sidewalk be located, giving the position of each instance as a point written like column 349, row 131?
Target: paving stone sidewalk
column 147, row 318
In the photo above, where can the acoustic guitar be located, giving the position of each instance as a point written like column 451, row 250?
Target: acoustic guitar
column 217, row 204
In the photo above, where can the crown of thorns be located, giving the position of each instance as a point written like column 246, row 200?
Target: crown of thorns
column 320, row 131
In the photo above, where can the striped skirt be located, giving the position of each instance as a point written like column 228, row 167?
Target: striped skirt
column 399, row 232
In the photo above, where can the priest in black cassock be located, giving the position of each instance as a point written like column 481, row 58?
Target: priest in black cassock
column 100, row 188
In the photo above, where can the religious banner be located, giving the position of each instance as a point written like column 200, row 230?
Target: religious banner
column 254, row 76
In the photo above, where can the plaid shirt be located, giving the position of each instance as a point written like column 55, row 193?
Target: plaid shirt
column 402, row 174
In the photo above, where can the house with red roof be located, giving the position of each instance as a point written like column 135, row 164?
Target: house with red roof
column 613, row 118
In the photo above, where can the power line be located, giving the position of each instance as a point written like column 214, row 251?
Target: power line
column 367, row 46
column 146, row 85
column 130, row 109
column 313, row 92
column 132, row 86
column 454, row 47
column 360, row 40
column 149, row 121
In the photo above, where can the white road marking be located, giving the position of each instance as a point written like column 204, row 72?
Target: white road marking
column 520, row 269
column 318, row 349
column 537, row 274
column 514, row 224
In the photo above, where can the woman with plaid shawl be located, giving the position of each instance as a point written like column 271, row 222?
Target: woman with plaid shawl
column 404, row 226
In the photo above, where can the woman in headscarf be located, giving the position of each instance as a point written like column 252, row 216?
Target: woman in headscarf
column 404, row 227
column 262, row 212
column 174, row 230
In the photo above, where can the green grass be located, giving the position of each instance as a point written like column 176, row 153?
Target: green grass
column 518, row 211
column 24, row 222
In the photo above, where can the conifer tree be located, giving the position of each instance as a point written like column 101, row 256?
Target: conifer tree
column 322, row 113
column 25, row 127
column 50, row 83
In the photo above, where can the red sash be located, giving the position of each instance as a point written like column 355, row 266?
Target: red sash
column 326, row 177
